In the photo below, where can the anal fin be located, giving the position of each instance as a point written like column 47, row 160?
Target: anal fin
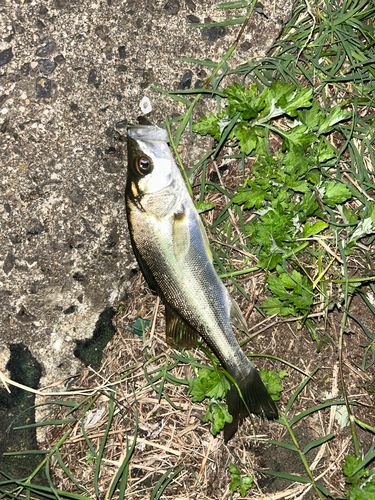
column 178, row 333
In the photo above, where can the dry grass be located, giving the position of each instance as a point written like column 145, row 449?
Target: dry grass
column 169, row 439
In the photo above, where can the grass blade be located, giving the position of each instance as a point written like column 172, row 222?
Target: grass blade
column 286, row 475
column 287, row 446
column 317, row 442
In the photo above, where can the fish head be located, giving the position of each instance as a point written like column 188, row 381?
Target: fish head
column 151, row 167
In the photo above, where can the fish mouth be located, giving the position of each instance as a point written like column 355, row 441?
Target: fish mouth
column 148, row 133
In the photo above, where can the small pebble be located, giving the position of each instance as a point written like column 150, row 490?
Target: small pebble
column 46, row 66
column 172, row 7
column 93, row 78
column 47, row 49
column 186, row 81
column 214, row 33
column 193, row 19
column 191, row 5
column 43, row 89
column 37, row 229
column 6, row 56
column 25, row 69
column 122, row 52
column 60, row 59
column 122, row 123
column 102, row 32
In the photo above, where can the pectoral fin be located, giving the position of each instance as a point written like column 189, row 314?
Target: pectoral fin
column 178, row 333
column 181, row 236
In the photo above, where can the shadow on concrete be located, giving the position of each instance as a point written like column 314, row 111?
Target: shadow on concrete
column 16, row 409
column 90, row 351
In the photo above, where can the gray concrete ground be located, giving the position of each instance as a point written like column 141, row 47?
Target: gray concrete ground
column 72, row 73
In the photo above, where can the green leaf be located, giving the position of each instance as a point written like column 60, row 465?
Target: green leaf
column 208, row 125
column 363, row 228
column 242, row 481
column 273, row 305
column 312, row 229
column 246, row 137
column 370, row 212
column 244, row 100
column 300, row 99
column 228, row 22
column 342, row 417
column 324, row 490
column 277, row 288
column 286, row 475
column 272, row 381
column 296, row 137
column 336, row 115
column 351, row 463
column 218, row 414
column 317, row 442
column 348, row 216
column 335, row 193
column 325, row 151
column 210, row 384
column 292, row 281
column 311, row 116
column 296, row 161
column 139, row 326
column 90, row 457
column 232, row 5
column 363, row 492
column 203, row 206
column 299, row 186
column 313, row 176
column 254, row 197
column 287, row 446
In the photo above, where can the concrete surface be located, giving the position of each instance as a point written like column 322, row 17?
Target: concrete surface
column 72, row 73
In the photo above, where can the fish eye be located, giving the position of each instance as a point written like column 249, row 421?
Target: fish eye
column 143, row 165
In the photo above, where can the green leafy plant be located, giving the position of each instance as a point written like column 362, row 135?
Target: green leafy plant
column 362, row 480
column 217, row 413
column 243, row 482
column 213, row 385
column 286, row 187
column 272, row 381
column 209, row 383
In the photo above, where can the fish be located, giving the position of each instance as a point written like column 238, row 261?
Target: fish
column 173, row 252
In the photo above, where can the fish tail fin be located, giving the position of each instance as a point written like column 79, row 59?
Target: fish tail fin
column 256, row 398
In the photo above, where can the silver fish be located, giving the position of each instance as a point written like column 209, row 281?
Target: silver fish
column 172, row 249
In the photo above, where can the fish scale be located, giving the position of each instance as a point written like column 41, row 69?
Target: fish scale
column 172, row 249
